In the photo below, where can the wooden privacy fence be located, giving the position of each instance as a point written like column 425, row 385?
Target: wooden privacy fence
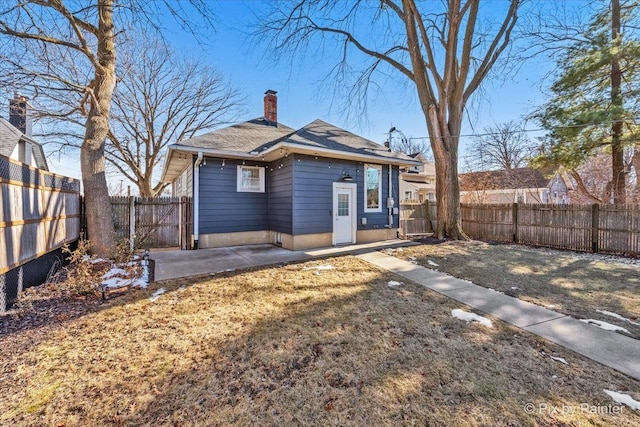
column 40, row 213
column 416, row 217
column 154, row 222
column 611, row 229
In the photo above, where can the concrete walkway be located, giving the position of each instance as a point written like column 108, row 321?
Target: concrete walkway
column 609, row 348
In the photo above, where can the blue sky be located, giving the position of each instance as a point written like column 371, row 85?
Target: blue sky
column 301, row 98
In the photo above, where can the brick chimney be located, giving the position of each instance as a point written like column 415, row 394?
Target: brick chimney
column 271, row 107
column 19, row 114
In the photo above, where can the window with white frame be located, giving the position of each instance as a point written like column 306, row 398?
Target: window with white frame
column 408, row 195
column 250, row 179
column 373, row 188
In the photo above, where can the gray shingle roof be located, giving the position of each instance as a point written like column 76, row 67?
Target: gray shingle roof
column 257, row 135
column 10, row 137
column 321, row 134
column 242, row 137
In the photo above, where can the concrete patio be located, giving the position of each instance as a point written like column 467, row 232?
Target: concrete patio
column 176, row 263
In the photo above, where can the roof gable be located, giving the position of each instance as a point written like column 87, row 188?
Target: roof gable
column 10, row 137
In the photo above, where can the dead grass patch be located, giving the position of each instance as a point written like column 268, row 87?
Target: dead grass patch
column 293, row 346
column 574, row 284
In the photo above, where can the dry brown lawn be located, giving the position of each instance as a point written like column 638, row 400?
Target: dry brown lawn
column 568, row 282
column 293, row 345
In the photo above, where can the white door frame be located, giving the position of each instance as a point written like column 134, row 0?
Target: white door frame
column 354, row 209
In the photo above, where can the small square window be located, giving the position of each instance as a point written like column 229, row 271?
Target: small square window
column 250, row 179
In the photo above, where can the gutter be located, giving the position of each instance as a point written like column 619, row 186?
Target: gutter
column 196, row 199
column 295, row 148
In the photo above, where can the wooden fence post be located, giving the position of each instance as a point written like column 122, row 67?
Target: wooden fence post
column 595, row 226
column 132, row 223
column 514, row 218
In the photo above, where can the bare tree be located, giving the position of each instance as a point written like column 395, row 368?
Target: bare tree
column 67, row 48
column 444, row 49
column 501, row 146
column 593, row 177
column 160, row 99
column 410, row 146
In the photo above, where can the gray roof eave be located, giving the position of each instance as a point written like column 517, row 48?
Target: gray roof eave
column 272, row 153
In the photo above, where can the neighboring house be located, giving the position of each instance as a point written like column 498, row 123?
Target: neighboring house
column 418, row 182
column 15, row 136
column 521, row 185
column 263, row 182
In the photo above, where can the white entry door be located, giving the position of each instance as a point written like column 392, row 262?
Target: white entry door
column 344, row 213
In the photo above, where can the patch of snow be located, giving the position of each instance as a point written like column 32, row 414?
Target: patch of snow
column 624, row 399
column 604, row 325
column 116, row 282
column 157, row 294
column 609, row 259
column 412, row 258
column 559, row 359
column 513, row 288
column 230, row 269
column 97, row 260
column 431, row 263
column 471, row 317
column 393, row 283
column 115, row 271
column 617, row 316
column 320, row 267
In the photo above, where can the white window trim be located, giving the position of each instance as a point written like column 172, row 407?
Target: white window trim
column 379, row 168
column 239, row 187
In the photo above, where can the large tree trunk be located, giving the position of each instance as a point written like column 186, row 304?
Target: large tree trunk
column 445, row 152
column 617, row 150
column 99, row 227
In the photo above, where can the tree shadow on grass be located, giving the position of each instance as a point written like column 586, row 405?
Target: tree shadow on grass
column 293, row 347
column 378, row 356
column 561, row 281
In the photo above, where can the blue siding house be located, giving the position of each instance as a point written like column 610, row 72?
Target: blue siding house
column 263, row 182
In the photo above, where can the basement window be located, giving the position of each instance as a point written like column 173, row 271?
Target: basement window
column 250, row 179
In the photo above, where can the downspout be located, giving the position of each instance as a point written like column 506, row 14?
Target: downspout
column 196, row 200
column 390, row 199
